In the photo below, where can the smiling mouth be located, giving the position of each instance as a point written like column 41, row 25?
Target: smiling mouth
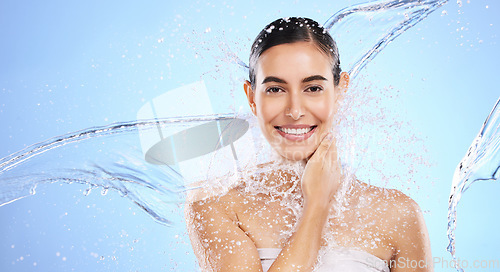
column 295, row 131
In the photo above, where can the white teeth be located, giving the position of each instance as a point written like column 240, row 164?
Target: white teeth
column 294, row 131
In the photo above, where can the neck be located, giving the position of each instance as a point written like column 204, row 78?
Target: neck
column 277, row 178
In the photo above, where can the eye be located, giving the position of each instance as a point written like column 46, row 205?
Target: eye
column 273, row 90
column 314, row 89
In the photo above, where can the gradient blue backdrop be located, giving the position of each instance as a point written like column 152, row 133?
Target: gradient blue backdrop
column 66, row 66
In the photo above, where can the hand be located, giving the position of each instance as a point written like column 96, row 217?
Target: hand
column 322, row 174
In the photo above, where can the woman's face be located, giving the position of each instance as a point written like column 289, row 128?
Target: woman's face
column 294, row 98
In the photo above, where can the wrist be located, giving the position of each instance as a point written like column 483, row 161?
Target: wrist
column 317, row 207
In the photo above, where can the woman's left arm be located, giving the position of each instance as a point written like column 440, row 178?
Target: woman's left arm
column 413, row 249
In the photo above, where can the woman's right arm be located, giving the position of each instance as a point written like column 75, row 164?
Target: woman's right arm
column 218, row 242
column 221, row 245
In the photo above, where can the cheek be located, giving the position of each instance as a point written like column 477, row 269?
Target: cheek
column 268, row 109
column 324, row 110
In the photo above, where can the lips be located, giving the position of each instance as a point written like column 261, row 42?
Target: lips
column 296, row 132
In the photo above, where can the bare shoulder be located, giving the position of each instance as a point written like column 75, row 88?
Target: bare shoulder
column 216, row 237
column 398, row 215
column 224, row 204
column 392, row 203
column 403, row 224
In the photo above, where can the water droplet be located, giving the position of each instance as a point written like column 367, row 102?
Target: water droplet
column 33, row 190
column 87, row 191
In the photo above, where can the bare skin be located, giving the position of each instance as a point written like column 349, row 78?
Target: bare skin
column 388, row 225
column 295, row 90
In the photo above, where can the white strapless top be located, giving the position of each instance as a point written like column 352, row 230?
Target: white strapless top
column 335, row 259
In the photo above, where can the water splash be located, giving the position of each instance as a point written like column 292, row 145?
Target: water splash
column 116, row 165
column 389, row 19
column 481, row 163
column 158, row 189
column 375, row 25
column 363, row 31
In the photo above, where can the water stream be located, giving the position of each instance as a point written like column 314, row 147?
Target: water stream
column 109, row 157
column 481, row 163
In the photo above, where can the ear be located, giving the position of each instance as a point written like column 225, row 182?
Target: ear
column 343, row 86
column 250, row 96
column 344, row 82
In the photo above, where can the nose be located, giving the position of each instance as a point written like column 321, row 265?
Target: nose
column 295, row 108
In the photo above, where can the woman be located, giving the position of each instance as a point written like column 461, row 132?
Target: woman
column 294, row 91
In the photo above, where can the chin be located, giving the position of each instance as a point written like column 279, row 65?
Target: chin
column 293, row 149
column 296, row 155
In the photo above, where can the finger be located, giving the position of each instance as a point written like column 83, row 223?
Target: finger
column 323, row 147
column 321, row 153
column 332, row 149
column 330, row 156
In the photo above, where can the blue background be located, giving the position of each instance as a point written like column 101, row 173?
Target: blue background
column 66, row 66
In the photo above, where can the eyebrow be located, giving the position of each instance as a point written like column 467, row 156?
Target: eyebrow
column 313, row 78
column 273, row 79
column 279, row 80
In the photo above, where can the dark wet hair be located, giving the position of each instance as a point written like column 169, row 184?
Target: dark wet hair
column 290, row 30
